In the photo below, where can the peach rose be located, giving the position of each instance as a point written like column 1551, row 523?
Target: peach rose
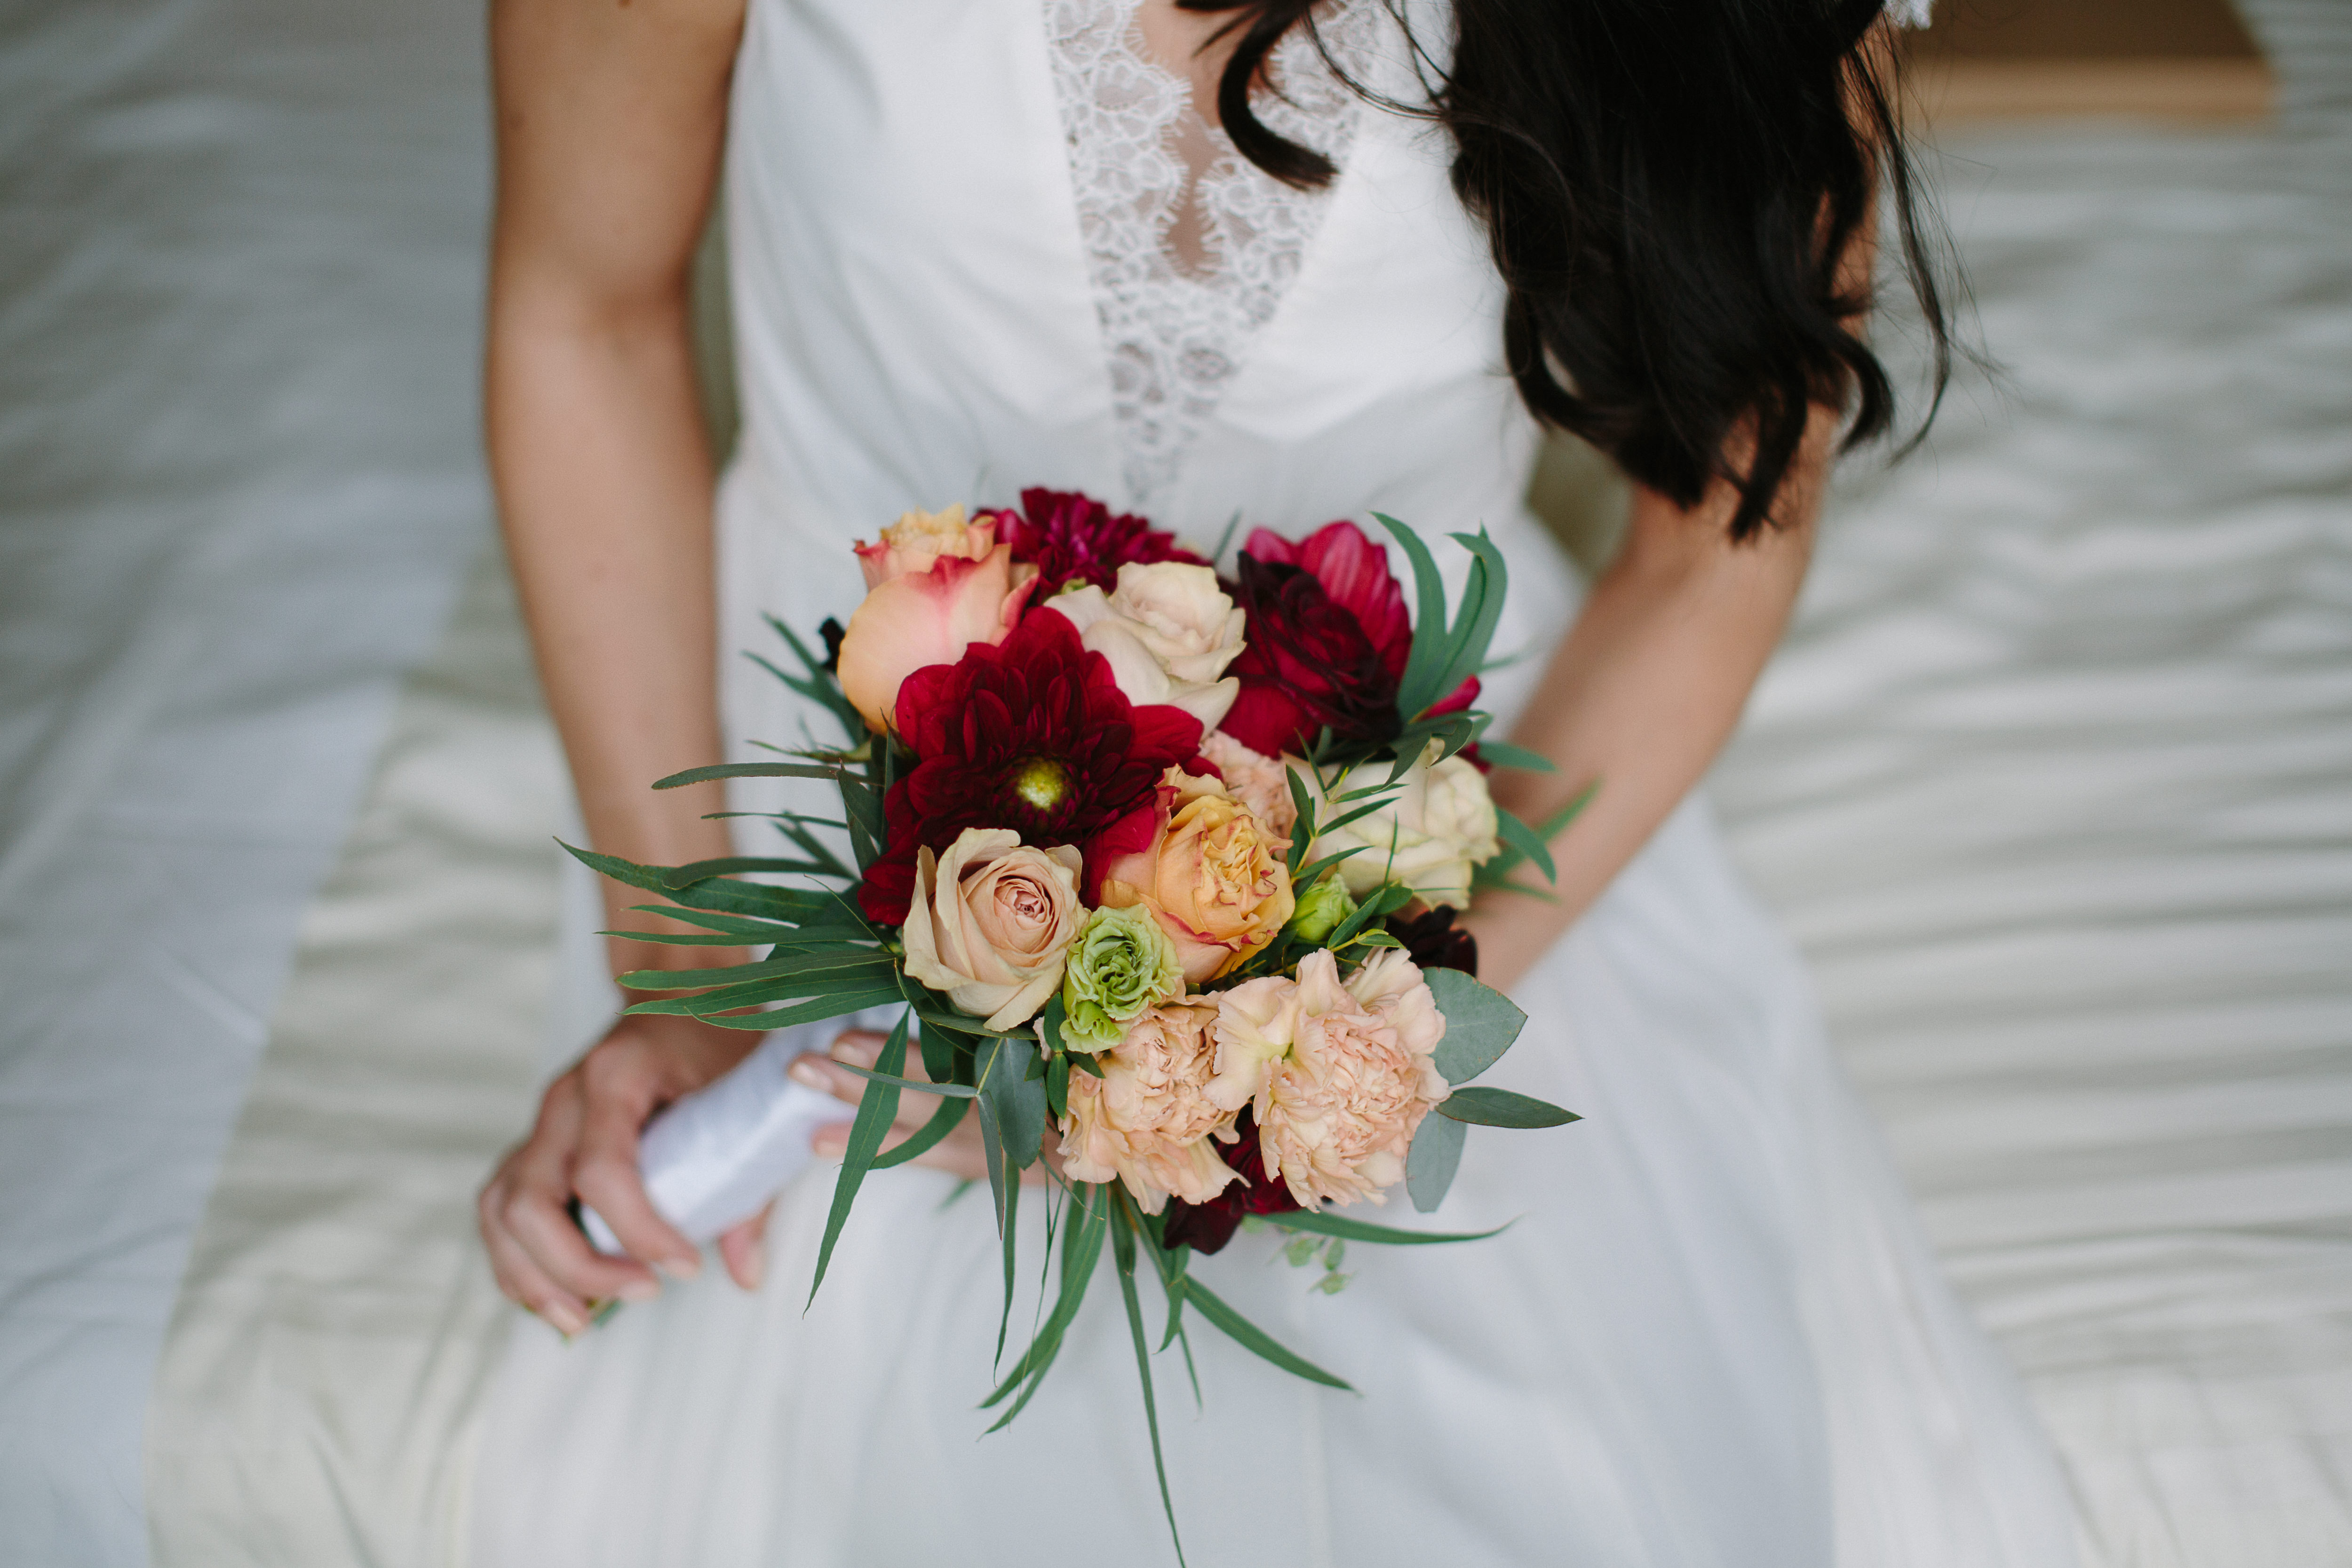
column 1147, row 1121
column 1213, row 878
column 990, row 921
column 1340, row 1076
column 925, row 617
column 1257, row 781
column 918, row 539
column 1168, row 630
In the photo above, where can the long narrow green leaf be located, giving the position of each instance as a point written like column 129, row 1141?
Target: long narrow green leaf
column 747, row 771
column 1003, row 1176
column 1504, row 754
column 876, row 1109
column 1124, row 1250
column 750, row 929
column 927, row 1137
column 960, row 1093
column 1523, row 838
column 1482, row 608
column 814, row 1011
column 678, row 939
column 697, row 870
column 1254, row 1340
column 862, row 973
column 1081, row 1253
column 1422, row 666
column 721, row 893
column 1379, row 1234
column 821, row 961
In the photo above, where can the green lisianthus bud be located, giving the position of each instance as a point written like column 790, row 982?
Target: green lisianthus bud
column 1321, row 908
column 1121, row 963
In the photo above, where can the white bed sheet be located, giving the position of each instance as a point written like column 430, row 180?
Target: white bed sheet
column 2053, row 782
column 239, row 264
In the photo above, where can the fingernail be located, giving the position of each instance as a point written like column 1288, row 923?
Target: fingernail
column 639, row 1290
column 863, row 1054
column 566, row 1318
column 685, row 1267
column 804, row 1070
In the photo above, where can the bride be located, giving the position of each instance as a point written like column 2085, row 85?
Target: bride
column 1293, row 261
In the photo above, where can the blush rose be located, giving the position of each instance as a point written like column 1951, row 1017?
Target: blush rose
column 990, row 921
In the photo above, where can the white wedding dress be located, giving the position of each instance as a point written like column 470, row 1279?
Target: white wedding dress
column 970, row 254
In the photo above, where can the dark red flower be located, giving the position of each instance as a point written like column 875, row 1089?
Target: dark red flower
column 1327, row 644
column 1354, row 571
column 1206, row 1228
column 1433, row 941
column 1073, row 537
column 1033, row 734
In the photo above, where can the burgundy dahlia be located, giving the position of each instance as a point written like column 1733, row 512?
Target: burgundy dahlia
column 1327, row 644
column 1073, row 538
column 1206, row 1228
column 1031, row 733
column 1433, row 940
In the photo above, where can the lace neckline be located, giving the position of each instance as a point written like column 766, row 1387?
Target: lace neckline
column 1188, row 259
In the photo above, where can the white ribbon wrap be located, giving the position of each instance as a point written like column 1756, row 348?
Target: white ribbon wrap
column 714, row 1158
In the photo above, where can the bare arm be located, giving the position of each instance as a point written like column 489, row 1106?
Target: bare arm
column 610, row 124
column 1644, row 691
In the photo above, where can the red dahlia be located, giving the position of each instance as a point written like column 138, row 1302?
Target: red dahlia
column 1033, row 734
column 1206, row 1228
column 1071, row 539
column 1326, row 644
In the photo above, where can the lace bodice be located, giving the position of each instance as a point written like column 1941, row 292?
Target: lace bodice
column 1189, row 244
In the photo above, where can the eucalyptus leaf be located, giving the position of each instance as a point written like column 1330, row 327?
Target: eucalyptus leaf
column 1501, row 1107
column 1430, row 1164
column 1480, row 1024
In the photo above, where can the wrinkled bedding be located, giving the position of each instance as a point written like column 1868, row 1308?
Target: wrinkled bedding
column 2053, row 782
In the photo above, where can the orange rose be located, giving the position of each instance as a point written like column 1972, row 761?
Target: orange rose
column 925, row 617
column 1212, row 877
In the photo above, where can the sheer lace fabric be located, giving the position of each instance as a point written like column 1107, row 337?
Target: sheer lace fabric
column 1189, row 244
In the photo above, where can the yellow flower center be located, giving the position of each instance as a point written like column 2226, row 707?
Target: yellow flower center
column 1043, row 782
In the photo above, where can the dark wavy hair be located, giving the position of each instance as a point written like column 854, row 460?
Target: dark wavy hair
column 1670, row 189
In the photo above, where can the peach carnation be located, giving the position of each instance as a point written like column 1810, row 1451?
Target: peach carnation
column 1257, row 781
column 1340, row 1076
column 1147, row 1120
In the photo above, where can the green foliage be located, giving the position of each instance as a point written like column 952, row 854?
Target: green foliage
column 1430, row 1164
column 876, row 1109
column 1481, row 1023
column 1501, row 1107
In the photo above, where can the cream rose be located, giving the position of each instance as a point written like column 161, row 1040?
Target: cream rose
column 1212, row 877
column 1168, row 630
column 1437, row 829
column 1147, row 1120
column 1340, row 1076
column 990, row 921
column 1257, row 781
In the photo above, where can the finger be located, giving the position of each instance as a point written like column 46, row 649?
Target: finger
column 821, row 1073
column 532, row 1208
column 959, row 1153
column 744, row 1249
column 620, row 1094
column 528, row 1286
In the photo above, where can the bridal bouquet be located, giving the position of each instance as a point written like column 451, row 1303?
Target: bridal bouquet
column 1158, row 871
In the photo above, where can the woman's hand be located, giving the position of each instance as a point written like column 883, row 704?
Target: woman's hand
column 585, row 1143
column 959, row 1153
